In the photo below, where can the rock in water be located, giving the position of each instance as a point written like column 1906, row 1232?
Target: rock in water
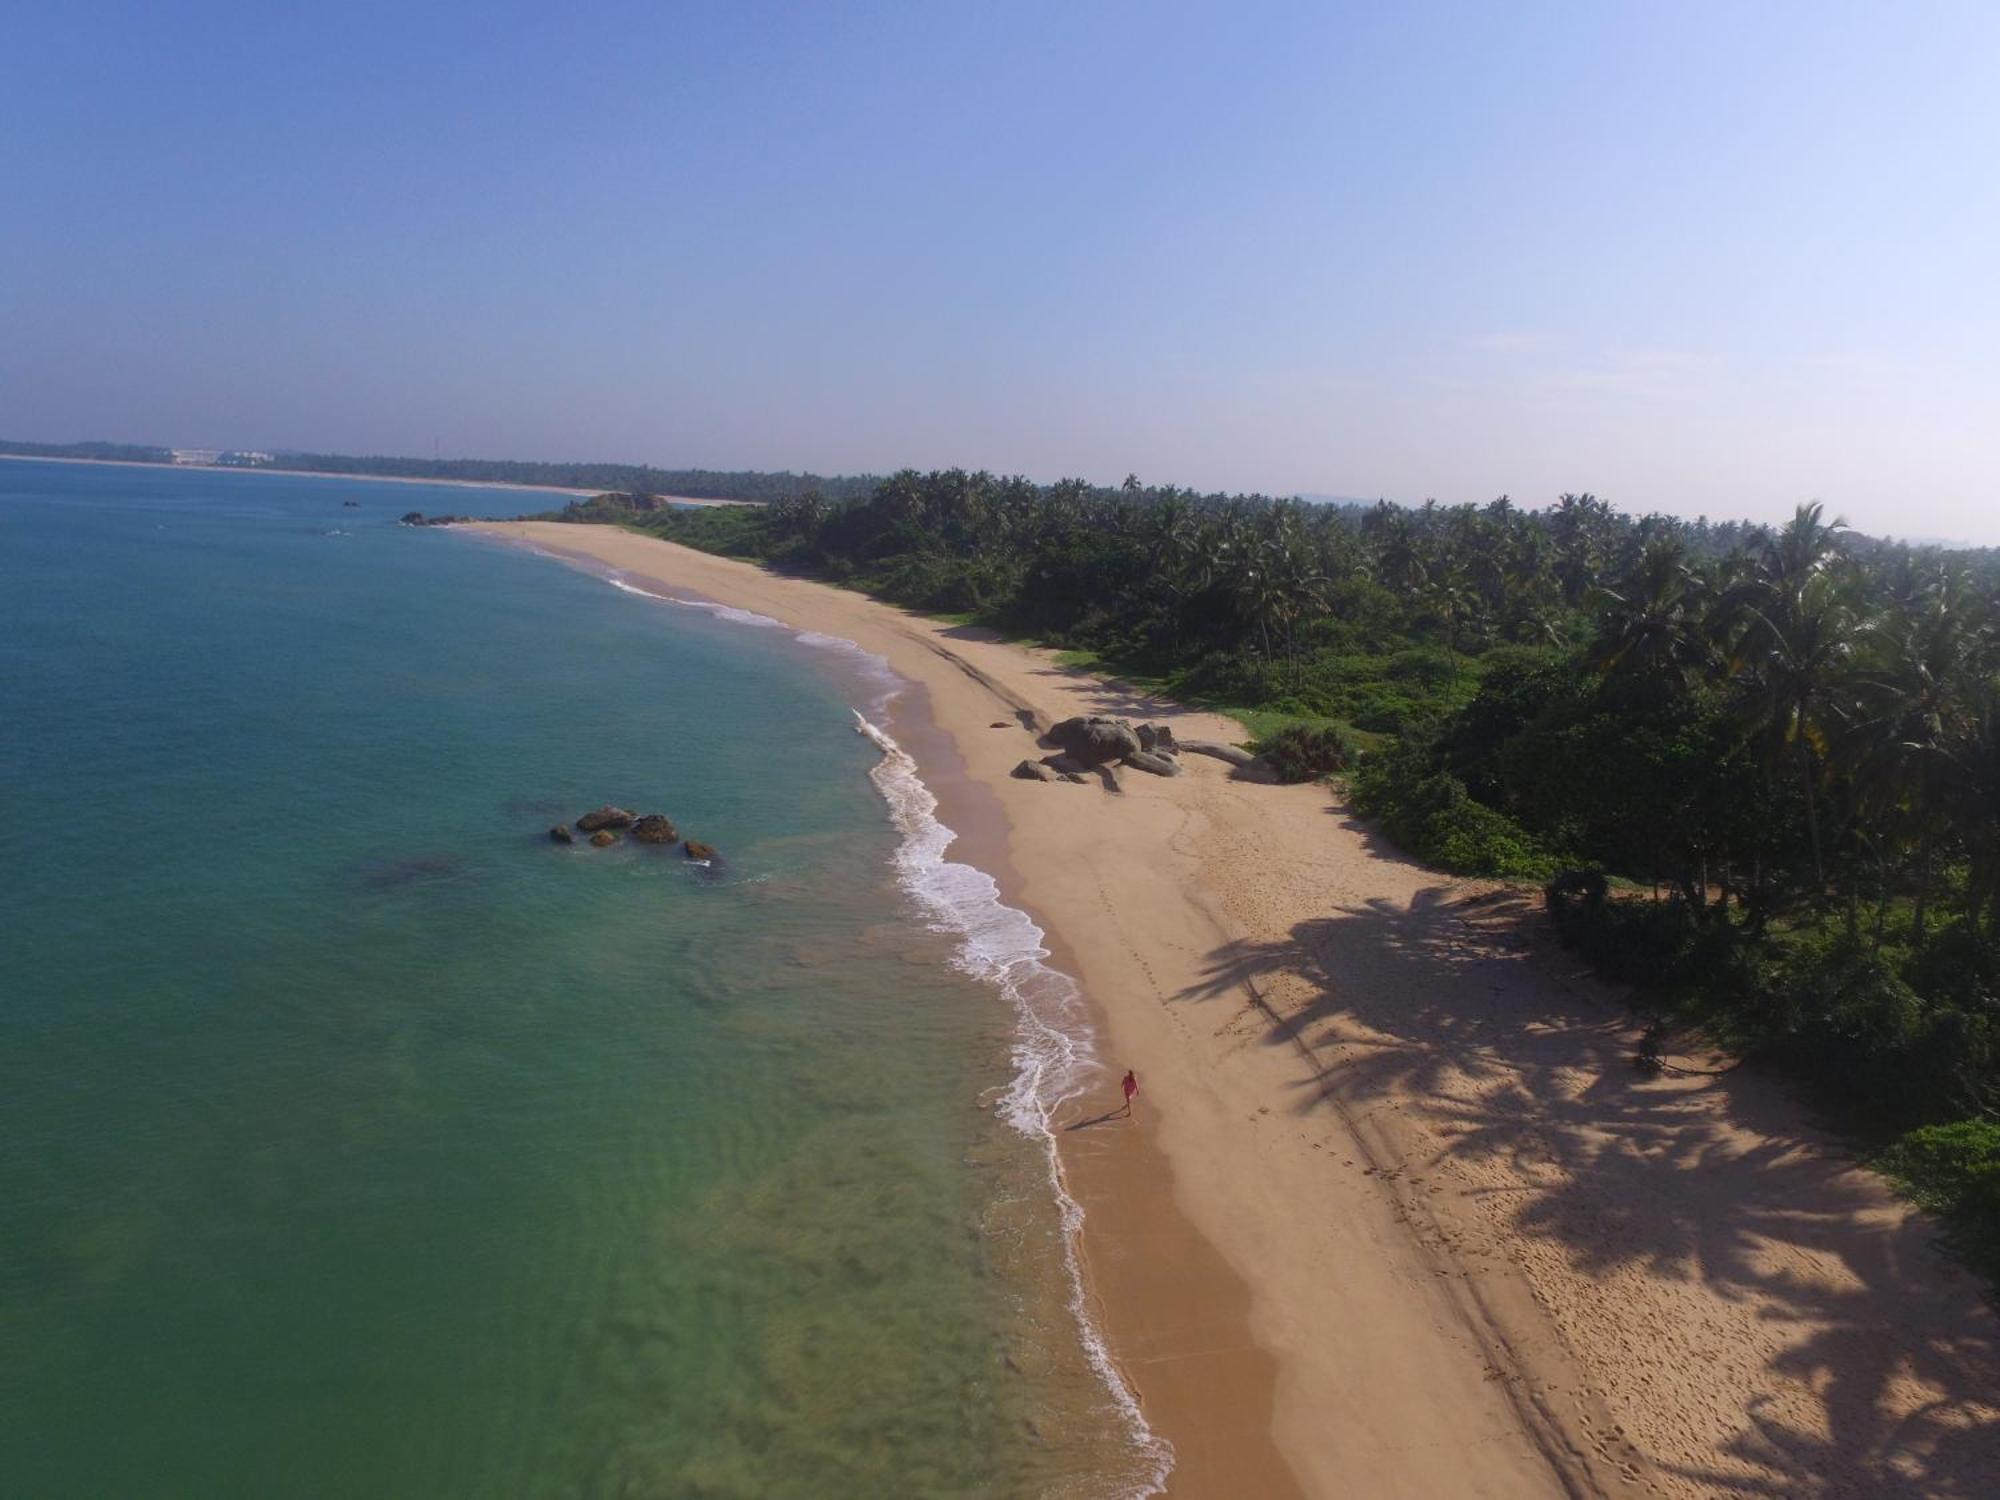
column 560, row 834
column 696, row 849
column 655, row 828
column 1095, row 740
column 604, row 838
column 606, row 816
column 1034, row 770
column 1148, row 760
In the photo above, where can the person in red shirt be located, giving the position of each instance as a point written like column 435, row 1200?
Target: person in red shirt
column 1131, row 1088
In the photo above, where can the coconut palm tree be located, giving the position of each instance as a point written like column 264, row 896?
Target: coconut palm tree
column 1653, row 623
column 1801, row 646
column 1973, row 790
column 1914, row 708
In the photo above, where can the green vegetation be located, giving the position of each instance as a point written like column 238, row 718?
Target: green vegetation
column 633, row 479
column 1954, row 1171
column 696, row 484
column 130, row 453
column 1769, row 760
column 1306, row 752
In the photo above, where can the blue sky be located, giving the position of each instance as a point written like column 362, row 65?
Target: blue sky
column 1699, row 258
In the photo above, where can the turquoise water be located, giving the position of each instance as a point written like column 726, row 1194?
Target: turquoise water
column 358, row 1141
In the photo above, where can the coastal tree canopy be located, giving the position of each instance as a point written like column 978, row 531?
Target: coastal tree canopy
column 1782, row 744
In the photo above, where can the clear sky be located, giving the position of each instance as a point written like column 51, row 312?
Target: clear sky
column 1695, row 257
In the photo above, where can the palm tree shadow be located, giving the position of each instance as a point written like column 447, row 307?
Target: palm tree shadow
column 1116, row 698
column 1882, row 1375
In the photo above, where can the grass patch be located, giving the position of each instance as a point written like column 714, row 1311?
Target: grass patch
column 1954, row 1172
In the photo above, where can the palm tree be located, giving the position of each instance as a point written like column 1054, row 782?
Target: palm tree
column 1803, row 550
column 1802, row 643
column 1653, row 622
column 1400, row 562
column 1974, row 791
column 1914, row 711
column 1448, row 596
column 1577, row 524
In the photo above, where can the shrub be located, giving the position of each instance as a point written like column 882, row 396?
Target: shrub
column 1574, row 893
column 1942, row 1164
column 1958, row 966
column 1424, row 665
column 1430, row 814
column 1954, row 1171
column 1300, row 752
column 1638, row 941
column 1473, row 839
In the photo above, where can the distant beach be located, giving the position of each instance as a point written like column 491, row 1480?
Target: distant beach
column 463, row 484
column 1394, row 1215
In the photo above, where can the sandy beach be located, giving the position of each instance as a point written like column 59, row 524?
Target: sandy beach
column 1394, row 1217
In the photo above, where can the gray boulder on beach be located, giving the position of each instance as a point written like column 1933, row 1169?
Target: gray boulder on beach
column 1095, row 740
column 1151, row 760
column 1034, row 770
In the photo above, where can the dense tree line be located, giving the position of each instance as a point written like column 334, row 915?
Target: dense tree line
column 1769, row 757
column 131, row 453
column 697, row 484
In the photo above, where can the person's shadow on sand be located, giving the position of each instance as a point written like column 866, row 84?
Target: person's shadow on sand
column 1123, row 1112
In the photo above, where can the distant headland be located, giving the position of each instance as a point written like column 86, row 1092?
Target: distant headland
column 584, row 478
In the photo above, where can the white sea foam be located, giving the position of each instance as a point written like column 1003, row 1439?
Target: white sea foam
column 1000, row 945
column 881, row 676
column 1053, row 1052
column 720, row 611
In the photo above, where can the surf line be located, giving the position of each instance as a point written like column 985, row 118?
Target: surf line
column 999, row 945
column 1053, row 1054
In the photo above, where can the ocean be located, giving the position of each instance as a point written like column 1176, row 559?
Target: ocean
column 358, row 1140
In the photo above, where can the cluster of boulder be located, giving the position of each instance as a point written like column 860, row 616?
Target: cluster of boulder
column 418, row 518
column 607, row 824
column 1090, row 743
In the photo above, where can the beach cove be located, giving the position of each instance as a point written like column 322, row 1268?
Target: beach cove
column 1394, row 1216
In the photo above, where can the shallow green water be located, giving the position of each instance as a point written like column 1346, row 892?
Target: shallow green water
column 360, row 1142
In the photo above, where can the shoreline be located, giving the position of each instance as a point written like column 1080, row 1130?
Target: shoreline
column 459, row 484
column 1393, row 1215
column 1178, row 1306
